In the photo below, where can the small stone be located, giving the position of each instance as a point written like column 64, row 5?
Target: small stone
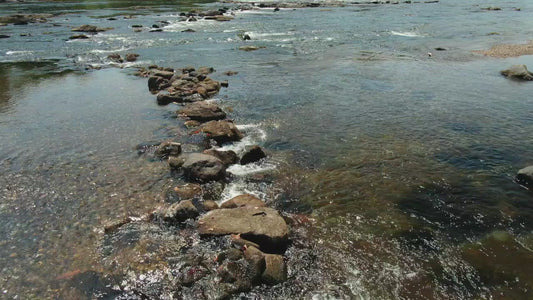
column 78, row 37
column 178, row 212
column 188, row 191
column 168, row 148
column 250, row 48
column 525, row 176
column 275, row 269
column 131, row 57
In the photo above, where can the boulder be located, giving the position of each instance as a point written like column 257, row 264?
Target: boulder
column 188, row 191
column 525, row 176
column 202, row 111
column 518, row 72
column 221, row 131
column 165, row 99
column 168, row 148
column 156, row 83
column 227, row 157
column 89, row 28
column 261, row 225
column 245, row 200
column 256, row 260
column 177, row 212
column 252, row 154
column 199, row 167
column 275, row 269
column 131, row 57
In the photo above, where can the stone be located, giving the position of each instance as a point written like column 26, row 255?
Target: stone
column 209, row 205
column 275, row 269
column 178, row 212
column 200, row 167
column 188, row 191
column 221, row 131
column 162, row 73
column 252, row 154
column 168, row 148
column 115, row 57
column 525, row 176
column 202, row 111
column 518, row 72
column 90, row 28
column 78, row 37
column 262, row 225
column 245, row 200
column 4, row 36
column 156, row 83
column 165, row 99
column 230, row 73
column 227, row 157
column 205, row 70
column 131, row 57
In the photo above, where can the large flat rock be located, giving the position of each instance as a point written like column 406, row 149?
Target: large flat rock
column 261, row 225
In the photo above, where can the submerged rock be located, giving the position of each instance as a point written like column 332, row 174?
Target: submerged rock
column 202, row 111
column 518, row 72
column 177, row 212
column 199, row 167
column 252, row 154
column 90, row 29
column 261, row 225
column 78, row 37
column 525, row 175
column 131, row 57
column 250, row 48
column 4, row 36
column 222, row 131
column 168, row 148
column 245, row 200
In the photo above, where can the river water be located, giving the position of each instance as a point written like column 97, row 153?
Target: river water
column 405, row 161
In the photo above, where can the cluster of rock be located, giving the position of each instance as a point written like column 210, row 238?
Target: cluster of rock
column 242, row 241
column 23, row 19
column 86, row 29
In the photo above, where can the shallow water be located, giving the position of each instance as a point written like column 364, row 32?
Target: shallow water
column 405, row 161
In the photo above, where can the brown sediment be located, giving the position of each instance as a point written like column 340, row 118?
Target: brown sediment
column 508, row 50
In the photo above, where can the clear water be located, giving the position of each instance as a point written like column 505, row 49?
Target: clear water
column 405, row 161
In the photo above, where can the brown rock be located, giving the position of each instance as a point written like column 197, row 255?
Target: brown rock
column 78, row 37
column 178, row 212
column 262, row 225
column 131, row 57
column 275, row 269
column 202, row 111
column 245, row 200
column 222, row 131
column 227, row 157
column 168, row 148
column 188, row 191
column 199, row 167
column 209, row 205
column 518, row 72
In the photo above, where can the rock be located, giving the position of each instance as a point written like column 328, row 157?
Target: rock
column 252, row 154
column 4, row 36
column 165, row 99
column 525, row 176
column 90, row 28
column 164, row 74
column 256, row 259
column 262, row 225
column 209, row 205
column 227, row 157
column 200, row 167
column 136, row 26
column 245, row 200
column 518, row 72
column 188, row 191
column 178, row 212
column 230, row 73
column 221, row 131
column 78, row 37
column 156, row 83
column 205, row 70
column 440, row 49
column 156, row 30
column 275, row 269
column 20, row 19
column 115, row 57
column 192, row 123
column 168, row 148
column 224, row 84
column 202, row 111
column 250, row 48
column 188, row 30
column 131, row 57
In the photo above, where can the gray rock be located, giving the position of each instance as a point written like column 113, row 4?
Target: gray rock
column 525, row 175
column 178, row 212
column 275, row 269
column 262, row 225
column 168, row 148
column 252, row 154
column 227, row 157
column 163, row 73
column 202, row 111
column 199, row 167
column 245, row 200
column 222, row 131
column 188, row 191
column 518, row 72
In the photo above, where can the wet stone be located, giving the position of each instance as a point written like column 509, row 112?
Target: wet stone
column 252, row 154
column 177, row 212
column 245, row 200
column 168, row 148
column 222, row 131
column 202, row 111
column 199, row 167
column 228, row 157
column 519, row 72
column 275, row 269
